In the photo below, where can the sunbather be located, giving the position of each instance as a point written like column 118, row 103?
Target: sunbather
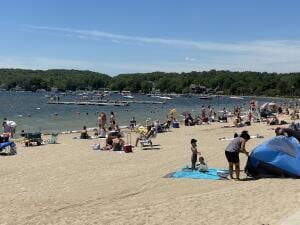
column 288, row 132
column 148, row 134
column 84, row 133
column 118, row 143
column 202, row 165
column 108, row 142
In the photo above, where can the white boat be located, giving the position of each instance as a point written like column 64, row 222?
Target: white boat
column 206, row 97
column 128, row 96
column 165, row 97
column 236, row 97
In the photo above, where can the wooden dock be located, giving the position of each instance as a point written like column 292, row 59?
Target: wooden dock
column 89, row 103
column 129, row 101
column 145, row 102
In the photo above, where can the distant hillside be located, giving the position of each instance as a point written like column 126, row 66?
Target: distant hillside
column 32, row 80
column 231, row 83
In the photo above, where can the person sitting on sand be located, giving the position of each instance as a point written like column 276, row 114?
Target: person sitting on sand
column 84, row 133
column 232, row 151
column 238, row 122
column 102, row 133
column 195, row 153
column 118, row 143
column 108, row 142
column 202, row 165
column 274, row 121
column 287, row 132
column 189, row 120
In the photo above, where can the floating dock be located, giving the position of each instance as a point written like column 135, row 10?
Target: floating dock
column 146, row 102
column 129, row 101
column 89, row 103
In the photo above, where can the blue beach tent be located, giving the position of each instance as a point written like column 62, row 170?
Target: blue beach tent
column 279, row 156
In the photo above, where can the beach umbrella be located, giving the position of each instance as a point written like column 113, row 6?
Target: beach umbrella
column 273, row 104
column 264, row 106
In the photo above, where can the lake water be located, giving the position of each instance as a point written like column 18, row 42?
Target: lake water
column 32, row 113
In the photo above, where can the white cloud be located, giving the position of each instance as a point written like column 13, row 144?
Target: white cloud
column 269, row 56
column 189, row 59
column 282, row 47
column 114, row 68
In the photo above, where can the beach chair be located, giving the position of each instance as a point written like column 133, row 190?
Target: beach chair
column 8, row 148
column 146, row 140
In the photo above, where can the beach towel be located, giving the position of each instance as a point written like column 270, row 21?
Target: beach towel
column 211, row 174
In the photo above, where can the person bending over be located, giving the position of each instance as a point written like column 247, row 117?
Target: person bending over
column 232, row 151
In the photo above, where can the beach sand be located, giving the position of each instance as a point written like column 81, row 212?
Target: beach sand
column 69, row 183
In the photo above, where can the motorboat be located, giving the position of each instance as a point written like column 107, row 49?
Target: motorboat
column 128, row 96
column 205, row 97
column 236, row 97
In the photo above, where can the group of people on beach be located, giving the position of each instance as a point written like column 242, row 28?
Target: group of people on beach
column 238, row 143
column 113, row 137
column 236, row 146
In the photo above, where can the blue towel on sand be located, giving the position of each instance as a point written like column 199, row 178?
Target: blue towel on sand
column 211, row 174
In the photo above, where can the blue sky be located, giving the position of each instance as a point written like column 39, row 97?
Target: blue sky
column 126, row 36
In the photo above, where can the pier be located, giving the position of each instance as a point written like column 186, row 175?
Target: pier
column 145, row 102
column 89, row 103
column 129, row 101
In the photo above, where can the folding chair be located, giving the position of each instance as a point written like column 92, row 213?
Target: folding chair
column 146, row 140
column 8, row 148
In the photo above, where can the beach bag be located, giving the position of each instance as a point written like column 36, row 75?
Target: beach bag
column 127, row 148
column 96, row 147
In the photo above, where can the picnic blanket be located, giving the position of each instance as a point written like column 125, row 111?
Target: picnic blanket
column 211, row 174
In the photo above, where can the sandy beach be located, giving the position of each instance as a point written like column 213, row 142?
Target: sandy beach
column 69, row 183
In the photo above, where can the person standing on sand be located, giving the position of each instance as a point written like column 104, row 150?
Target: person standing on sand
column 112, row 120
column 195, row 153
column 232, row 151
column 9, row 126
column 102, row 120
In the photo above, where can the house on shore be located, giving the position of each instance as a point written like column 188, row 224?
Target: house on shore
column 197, row 89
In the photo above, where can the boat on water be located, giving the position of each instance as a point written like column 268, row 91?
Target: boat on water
column 236, row 97
column 128, row 96
column 165, row 97
column 89, row 103
column 205, row 97
column 161, row 97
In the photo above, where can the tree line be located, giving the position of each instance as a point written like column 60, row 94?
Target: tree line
column 231, row 83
